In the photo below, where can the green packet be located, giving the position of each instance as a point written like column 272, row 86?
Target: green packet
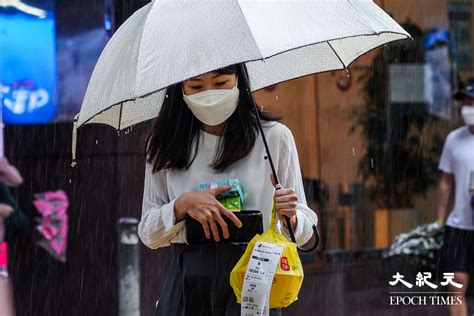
column 233, row 203
column 233, row 199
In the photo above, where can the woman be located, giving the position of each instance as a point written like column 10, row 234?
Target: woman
column 207, row 131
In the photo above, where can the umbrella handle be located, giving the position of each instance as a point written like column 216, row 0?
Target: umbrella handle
column 293, row 239
column 270, row 160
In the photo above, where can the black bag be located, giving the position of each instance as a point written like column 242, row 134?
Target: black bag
column 252, row 224
column 17, row 221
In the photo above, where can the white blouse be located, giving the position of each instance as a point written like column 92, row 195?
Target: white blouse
column 158, row 226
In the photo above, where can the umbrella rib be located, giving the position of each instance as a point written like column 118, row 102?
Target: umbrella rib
column 296, row 48
column 140, row 47
column 250, row 31
column 337, row 55
column 253, row 60
column 120, row 116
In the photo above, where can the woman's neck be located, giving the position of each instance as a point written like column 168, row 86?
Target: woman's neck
column 215, row 130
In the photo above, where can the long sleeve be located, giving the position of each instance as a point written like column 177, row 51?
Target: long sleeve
column 289, row 174
column 157, row 226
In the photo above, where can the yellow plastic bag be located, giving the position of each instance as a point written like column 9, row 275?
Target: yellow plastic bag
column 288, row 275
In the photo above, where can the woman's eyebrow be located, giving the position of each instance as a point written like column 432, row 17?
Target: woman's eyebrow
column 197, row 79
column 221, row 74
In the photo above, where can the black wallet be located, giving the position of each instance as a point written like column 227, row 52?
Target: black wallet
column 252, row 224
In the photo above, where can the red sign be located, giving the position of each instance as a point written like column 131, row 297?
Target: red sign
column 284, row 264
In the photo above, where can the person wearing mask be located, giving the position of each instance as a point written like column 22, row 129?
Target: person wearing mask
column 457, row 165
column 207, row 131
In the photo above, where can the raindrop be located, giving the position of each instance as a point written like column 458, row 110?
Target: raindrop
column 166, row 95
column 353, row 151
column 276, row 97
column 70, row 181
column 372, row 163
column 97, row 142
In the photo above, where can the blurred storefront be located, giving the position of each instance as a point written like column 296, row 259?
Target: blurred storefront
column 323, row 111
column 345, row 124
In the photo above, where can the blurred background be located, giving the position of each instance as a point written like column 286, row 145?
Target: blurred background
column 369, row 140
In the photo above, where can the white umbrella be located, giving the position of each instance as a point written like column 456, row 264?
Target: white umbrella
column 169, row 41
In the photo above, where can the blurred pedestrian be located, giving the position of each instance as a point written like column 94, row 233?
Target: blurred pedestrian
column 9, row 176
column 457, row 165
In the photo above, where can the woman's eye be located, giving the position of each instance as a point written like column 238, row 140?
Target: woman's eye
column 196, row 87
column 221, row 83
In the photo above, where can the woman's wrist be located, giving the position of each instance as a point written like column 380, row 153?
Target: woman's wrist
column 180, row 208
column 293, row 222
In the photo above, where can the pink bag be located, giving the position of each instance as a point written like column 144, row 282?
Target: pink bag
column 53, row 225
column 3, row 260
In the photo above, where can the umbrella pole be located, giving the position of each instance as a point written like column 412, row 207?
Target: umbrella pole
column 259, row 123
column 269, row 156
column 270, row 160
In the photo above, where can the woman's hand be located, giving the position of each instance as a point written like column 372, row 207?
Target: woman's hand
column 5, row 210
column 207, row 210
column 9, row 175
column 285, row 204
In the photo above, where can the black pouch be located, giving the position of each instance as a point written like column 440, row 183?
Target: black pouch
column 252, row 224
column 17, row 222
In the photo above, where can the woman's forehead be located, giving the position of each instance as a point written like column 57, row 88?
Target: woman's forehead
column 209, row 76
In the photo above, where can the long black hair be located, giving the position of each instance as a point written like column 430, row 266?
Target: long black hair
column 170, row 143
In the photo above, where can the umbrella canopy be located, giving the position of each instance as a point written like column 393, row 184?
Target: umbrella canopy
column 166, row 42
column 169, row 41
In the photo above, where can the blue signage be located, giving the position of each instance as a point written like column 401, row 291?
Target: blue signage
column 27, row 68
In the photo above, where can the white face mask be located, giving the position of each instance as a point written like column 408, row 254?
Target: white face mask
column 467, row 113
column 213, row 107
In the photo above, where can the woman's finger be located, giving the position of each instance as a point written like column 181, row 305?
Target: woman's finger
column 223, row 224
column 219, row 190
column 213, row 226
column 205, row 226
column 287, row 212
column 286, row 198
column 288, row 205
column 284, row 191
column 229, row 215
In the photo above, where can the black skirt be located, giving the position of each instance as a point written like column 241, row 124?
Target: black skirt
column 198, row 282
